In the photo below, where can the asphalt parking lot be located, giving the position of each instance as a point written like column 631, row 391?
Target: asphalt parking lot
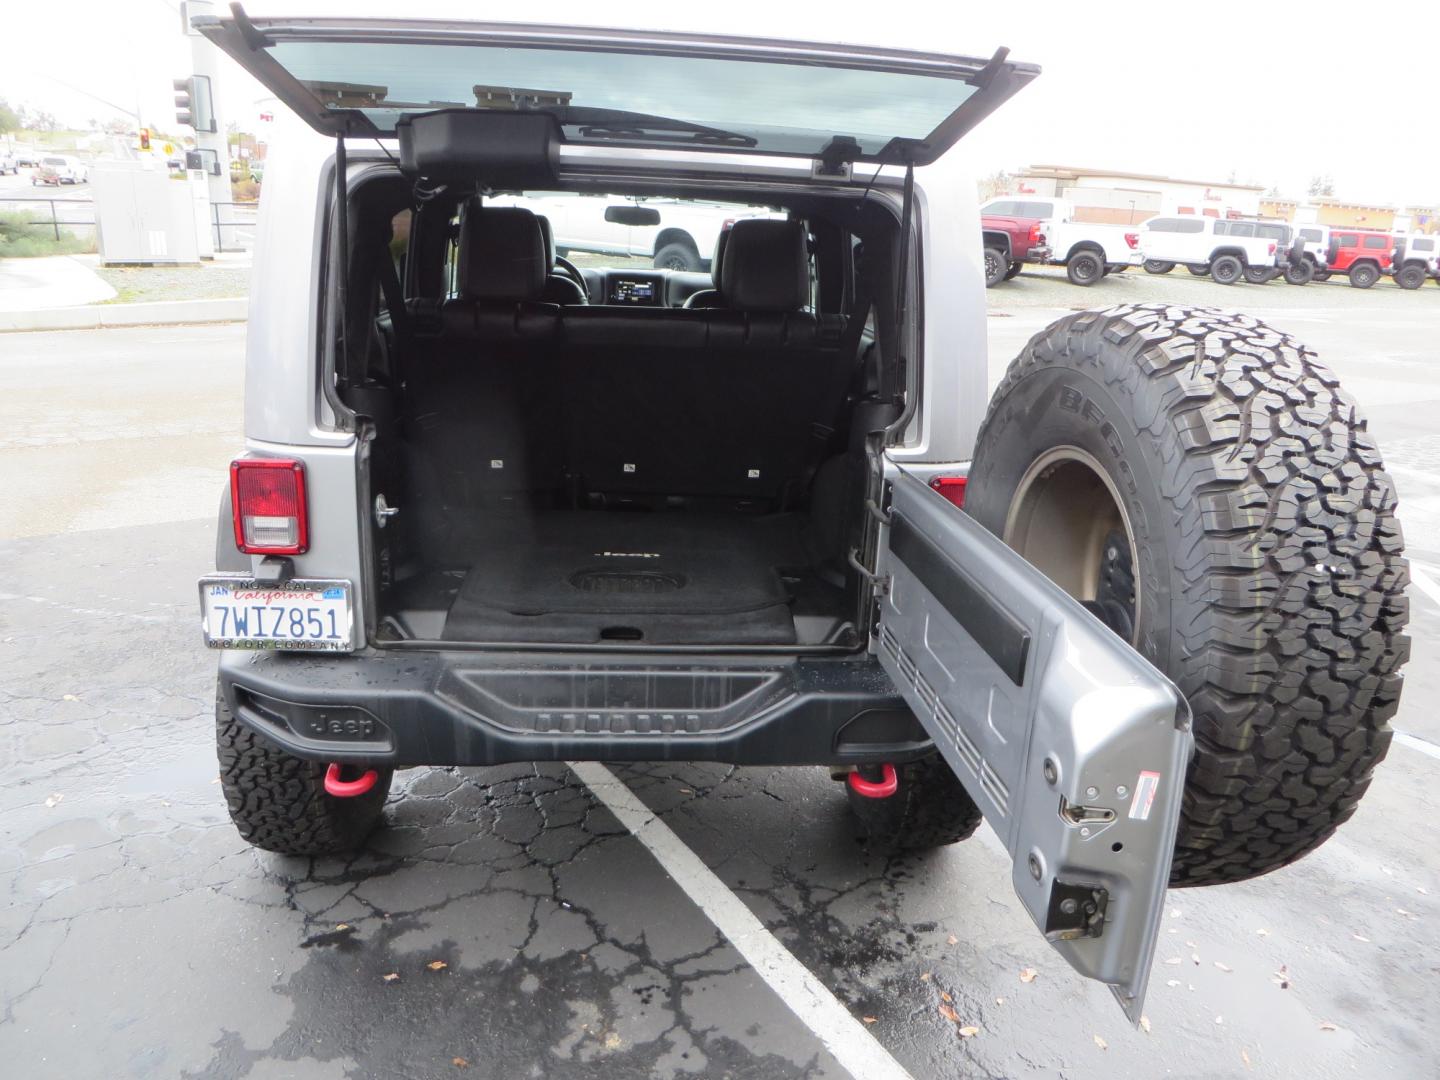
column 534, row 921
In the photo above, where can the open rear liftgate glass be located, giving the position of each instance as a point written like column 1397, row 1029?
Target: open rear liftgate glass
column 1074, row 746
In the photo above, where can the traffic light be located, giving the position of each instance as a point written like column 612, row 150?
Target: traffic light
column 193, row 104
column 144, row 138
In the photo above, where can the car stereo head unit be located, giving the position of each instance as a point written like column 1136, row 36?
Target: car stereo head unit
column 634, row 291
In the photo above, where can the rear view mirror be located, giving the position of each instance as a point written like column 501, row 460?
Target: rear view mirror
column 632, row 215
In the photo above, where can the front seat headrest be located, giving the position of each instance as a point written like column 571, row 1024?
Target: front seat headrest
column 502, row 253
column 710, row 298
column 766, row 266
column 548, row 235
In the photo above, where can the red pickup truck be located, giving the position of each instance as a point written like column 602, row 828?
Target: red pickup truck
column 1011, row 242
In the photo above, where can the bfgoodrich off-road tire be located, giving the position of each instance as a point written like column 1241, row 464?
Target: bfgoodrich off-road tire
column 1269, row 578
column 278, row 801
column 930, row 808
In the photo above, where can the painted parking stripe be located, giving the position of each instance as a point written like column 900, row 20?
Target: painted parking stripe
column 1427, row 584
column 1423, row 745
column 847, row 1039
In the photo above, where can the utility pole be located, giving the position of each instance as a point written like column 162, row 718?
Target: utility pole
column 211, row 138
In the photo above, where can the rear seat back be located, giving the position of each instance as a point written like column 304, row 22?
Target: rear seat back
column 474, row 396
column 730, row 402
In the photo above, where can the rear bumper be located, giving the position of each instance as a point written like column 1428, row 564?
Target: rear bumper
column 402, row 708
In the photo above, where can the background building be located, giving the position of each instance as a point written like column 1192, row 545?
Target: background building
column 1126, row 198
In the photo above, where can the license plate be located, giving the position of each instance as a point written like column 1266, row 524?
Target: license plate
column 303, row 614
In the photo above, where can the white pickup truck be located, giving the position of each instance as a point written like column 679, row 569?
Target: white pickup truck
column 1088, row 250
column 683, row 239
column 1224, row 249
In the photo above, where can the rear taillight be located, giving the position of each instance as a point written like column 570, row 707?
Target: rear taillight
column 267, row 497
column 1036, row 236
column 951, row 488
column 1272, row 247
column 1132, row 239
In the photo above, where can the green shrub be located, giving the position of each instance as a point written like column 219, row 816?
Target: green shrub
column 21, row 236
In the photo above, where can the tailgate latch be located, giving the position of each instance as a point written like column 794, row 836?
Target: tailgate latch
column 1075, row 911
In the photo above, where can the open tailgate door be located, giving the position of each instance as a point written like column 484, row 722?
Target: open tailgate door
column 636, row 88
column 1073, row 745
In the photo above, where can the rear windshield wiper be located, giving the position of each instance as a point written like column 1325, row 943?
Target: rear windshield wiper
column 620, row 124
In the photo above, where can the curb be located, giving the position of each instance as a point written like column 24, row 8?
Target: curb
column 98, row 316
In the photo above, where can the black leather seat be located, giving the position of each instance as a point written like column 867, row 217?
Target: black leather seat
column 477, row 399
column 559, row 288
column 709, row 402
column 710, row 298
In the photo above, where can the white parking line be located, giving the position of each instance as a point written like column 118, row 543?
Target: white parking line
column 1427, row 748
column 808, row 998
column 1427, row 584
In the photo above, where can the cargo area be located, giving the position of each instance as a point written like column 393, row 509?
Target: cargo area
column 560, row 462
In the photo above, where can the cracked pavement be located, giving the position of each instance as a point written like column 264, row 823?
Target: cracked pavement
column 527, row 933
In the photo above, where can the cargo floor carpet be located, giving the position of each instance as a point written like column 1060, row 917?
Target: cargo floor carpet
column 652, row 578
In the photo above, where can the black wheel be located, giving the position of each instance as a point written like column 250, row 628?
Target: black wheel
column 1410, row 277
column 1198, row 269
column 1085, row 268
column 1227, row 270
column 1363, row 275
column 996, row 266
column 1261, row 275
column 1263, row 569
column 1300, row 272
column 930, row 808
column 1158, row 266
column 678, row 255
column 1014, row 270
column 278, row 801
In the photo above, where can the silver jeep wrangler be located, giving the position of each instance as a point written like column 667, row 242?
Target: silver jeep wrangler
column 1144, row 613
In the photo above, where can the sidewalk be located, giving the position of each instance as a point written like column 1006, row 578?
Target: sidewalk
column 50, row 281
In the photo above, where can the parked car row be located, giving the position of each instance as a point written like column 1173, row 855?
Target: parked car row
column 1017, row 231
column 1303, row 254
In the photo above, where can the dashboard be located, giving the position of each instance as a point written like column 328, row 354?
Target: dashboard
column 642, row 288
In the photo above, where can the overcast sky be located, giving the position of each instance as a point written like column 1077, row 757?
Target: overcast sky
column 1196, row 90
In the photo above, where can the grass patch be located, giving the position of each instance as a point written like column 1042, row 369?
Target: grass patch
column 22, row 237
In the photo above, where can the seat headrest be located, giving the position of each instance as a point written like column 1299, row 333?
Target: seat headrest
column 502, row 253
column 766, row 266
column 548, row 234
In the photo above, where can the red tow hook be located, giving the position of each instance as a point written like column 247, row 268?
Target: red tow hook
column 886, row 786
column 348, row 789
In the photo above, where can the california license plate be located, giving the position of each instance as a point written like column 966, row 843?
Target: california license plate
column 304, row 614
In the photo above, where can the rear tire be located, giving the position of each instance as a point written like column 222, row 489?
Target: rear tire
column 678, row 256
column 1270, row 575
column 1261, row 275
column 1085, row 268
column 1198, row 269
column 1363, row 275
column 278, row 801
column 1158, row 266
column 1227, row 270
column 996, row 266
column 1014, row 270
column 1410, row 277
column 1300, row 272
column 930, row 809
column 1322, row 275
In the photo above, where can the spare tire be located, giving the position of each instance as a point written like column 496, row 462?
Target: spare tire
column 1225, row 509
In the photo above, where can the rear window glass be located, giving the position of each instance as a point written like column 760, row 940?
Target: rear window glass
column 1003, row 207
column 1423, row 245
column 1035, row 209
column 1314, row 235
column 784, row 108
